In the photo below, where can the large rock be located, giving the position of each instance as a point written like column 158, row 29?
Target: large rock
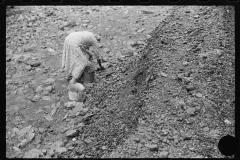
column 39, row 89
column 70, row 104
column 152, row 147
column 49, row 81
column 56, row 145
column 72, row 133
column 25, row 130
column 61, row 150
column 34, row 153
column 49, row 88
column 163, row 154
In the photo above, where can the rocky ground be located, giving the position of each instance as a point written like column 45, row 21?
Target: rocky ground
column 168, row 90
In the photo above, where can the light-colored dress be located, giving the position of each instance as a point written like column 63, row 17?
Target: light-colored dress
column 75, row 58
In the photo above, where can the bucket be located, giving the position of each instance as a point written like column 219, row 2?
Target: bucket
column 88, row 74
column 75, row 92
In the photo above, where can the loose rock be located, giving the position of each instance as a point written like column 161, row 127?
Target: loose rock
column 152, row 147
column 49, row 81
column 61, row 150
column 34, row 153
column 163, row 154
column 227, row 121
column 71, row 133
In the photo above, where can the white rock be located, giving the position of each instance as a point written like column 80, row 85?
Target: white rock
column 30, row 136
column 163, row 154
column 49, row 88
column 15, row 130
column 17, row 149
column 39, row 89
column 24, row 130
column 227, row 121
column 163, row 74
column 149, row 36
column 23, row 143
column 57, row 144
column 86, row 21
column 35, row 98
column 46, row 98
column 199, row 95
column 185, row 63
column 34, row 153
column 61, row 150
column 70, row 104
column 71, row 133
column 44, row 151
column 51, row 50
column 49, row 81
column 152, row 147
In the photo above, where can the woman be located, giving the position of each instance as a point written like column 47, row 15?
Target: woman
column 76, row 55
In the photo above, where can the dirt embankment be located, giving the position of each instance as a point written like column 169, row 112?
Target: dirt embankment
column 189, row 70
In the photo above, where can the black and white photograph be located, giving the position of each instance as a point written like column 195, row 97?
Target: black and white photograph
column 120, row 81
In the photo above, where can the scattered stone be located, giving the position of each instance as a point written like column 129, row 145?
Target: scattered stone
column 227, row 121
column 90, row 26
column 23, row 143
column 165, row 132
column 46, row 98
column 49, row 88
column 152, row 147
column 71, row 133
column 34, row 153
column 185, row 63
column 104, row 147
column 24, row 130
column 130, row 43
column 86, row 21
column 140, row 30
column 44, row 151
column 79, row 108
column 61, row 150
column 141, row 42
column 163, row 154
column 198, row 157
column 87, row 141
column 17, row 149
column 48, row 117
column 30, row 136
column 51, row 153
column 15, row 130
column 39, row 89
column 146, row 12
column 51, row 50
column 205, row 129
column 28, row 67
column 199, row 95
column 70, row 148
column 196, row 16
column 74, row 139
column 163, row 74
column 191, row 111
column 149, row 36
column 135, row 53
column 190, row 87
column 106, row 50
column 49, row 81
column 70, row 104
column 56, row 144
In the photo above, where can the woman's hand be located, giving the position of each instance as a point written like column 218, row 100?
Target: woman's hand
column 100, row 64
